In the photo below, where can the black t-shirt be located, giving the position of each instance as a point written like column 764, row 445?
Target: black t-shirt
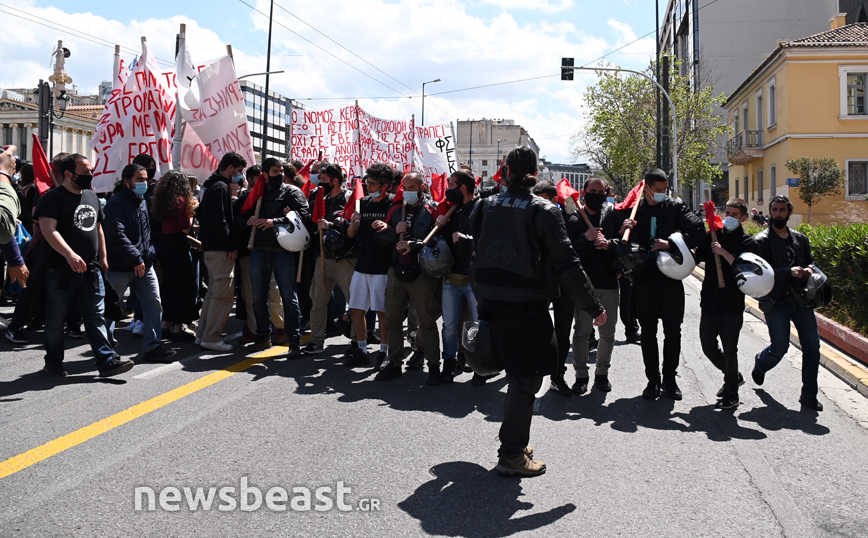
column 77, row 216
column 373, row 258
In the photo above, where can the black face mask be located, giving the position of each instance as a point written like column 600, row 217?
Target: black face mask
column 595, row 201
column 275, row 181
column 83, row 181
column 151, row 172
column 454, row 195
column 780, row 223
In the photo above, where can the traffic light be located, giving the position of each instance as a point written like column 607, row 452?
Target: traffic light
column 566, row 68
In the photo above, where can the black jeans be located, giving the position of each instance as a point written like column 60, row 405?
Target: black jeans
column 659, row 297
column 627, row 307
column 564, row 310
column 517, row 414
column 727, row 326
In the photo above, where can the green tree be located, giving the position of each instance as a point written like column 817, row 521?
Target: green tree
column 817, row 178
column 620, row 134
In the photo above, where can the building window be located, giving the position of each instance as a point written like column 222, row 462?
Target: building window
column 759, row 186
column 773, row 117
column 857, row 179
column 735, row 123
column 484, row 172
column 773, row 187
column 484, row 162
column 744, row 116
column 759, row 111
column 736, row 187
column 747, row 188
column 856, row 94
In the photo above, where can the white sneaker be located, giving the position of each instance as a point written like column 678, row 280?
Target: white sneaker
column 139, row 329
column 197, row 341
column 216, row 346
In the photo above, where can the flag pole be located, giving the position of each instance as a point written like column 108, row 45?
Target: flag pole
column 720, row 282
column 633, row 213
column 180, row 44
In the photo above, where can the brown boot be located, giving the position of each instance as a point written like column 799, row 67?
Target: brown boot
column 520, row 466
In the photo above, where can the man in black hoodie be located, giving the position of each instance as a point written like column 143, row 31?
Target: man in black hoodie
column 268, row 258
column 219, row 253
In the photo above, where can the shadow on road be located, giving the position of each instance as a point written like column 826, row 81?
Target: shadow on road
column 774, row 416
column 465, row 499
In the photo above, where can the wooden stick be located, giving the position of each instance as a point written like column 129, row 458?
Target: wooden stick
column 437, row 228
column 720, row 282
column 322, row 257
column 633, row 214
column 253, row 228
column 403, row 218
column 300, row 261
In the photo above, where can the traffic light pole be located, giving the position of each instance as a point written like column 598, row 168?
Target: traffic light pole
column 675, row 183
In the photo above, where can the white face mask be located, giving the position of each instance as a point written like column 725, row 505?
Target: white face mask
column 314, row 179
column 411, row 197
column 730, row 223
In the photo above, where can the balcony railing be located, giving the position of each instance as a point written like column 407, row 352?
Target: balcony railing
column 745, row 147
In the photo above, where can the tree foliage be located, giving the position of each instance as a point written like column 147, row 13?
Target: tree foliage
column 817, row 178
column 620, row 134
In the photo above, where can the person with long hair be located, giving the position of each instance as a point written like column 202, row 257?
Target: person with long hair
column 173, row 205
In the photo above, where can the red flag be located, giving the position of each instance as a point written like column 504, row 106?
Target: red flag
column 399, row 194
column 565, row 190
column 496, row 176
column 444, row 206
column 478, row 180
column 41, row 168
column 319, row 205
column 714, row 222
column 357, row 194
column 305, row 171
column 307, row 188
column 255, row 193
column 632, row 197
column 438, row 187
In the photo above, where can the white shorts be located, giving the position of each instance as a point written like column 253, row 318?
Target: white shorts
column 368, row 292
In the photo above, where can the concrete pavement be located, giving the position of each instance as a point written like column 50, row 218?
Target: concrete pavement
column 618, row 465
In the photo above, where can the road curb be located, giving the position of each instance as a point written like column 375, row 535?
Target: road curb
column 846, row 368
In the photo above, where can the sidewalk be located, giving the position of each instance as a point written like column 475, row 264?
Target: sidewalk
column 845, row 367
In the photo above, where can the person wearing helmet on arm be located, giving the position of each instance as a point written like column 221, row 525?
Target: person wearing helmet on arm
column 668, row 228
column 522, row 260
column 340, row 259
column 789, row 253
column 722, row 309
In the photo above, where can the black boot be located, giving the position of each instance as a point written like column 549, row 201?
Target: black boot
column 448, row 374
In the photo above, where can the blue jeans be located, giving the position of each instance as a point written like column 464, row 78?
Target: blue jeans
column 147, row 292
column 452, row 299
column 87, row 292
column 778, row 321
column 282, row 264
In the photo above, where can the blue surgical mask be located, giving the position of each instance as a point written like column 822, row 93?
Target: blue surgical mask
column 730, row 223
column 314, row 179
column 611, row 200
column 237, row 178
column 140, row 188
column 411, row 197
column 659, row 197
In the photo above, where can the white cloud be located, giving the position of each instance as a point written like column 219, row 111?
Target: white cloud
column 546, row 6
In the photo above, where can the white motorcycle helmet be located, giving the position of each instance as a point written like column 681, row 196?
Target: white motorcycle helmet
column 292, row 236
column 753, row 275
column 677, row 264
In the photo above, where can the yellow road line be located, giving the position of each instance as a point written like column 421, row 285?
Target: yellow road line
column 51, row 448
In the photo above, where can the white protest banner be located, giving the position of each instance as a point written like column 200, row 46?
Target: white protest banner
column 435, row 151
column 136, row 119
column 386, row 141
column 334, row 132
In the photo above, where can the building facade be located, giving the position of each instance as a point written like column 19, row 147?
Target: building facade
column 577, row 174
column 721, row 42
column 484, row 143
column 278, row 120
column 806, row 99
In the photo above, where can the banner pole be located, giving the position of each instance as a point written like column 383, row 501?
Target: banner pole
column 180, row 42
column 359, row 129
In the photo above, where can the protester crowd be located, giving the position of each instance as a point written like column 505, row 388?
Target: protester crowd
column 297, row 248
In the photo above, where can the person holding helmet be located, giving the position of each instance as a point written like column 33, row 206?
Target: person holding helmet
column 668, row 228
column 722, row 309
column 522, row 258
column 789, row 253
column 340, row 261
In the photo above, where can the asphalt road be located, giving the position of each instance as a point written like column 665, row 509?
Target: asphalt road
column 401, row 459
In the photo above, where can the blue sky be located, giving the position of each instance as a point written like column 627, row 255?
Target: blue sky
column 399, row 45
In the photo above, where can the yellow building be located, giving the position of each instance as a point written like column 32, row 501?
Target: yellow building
column 807, row 98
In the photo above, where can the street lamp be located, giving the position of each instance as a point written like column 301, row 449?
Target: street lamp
column 263, row 73
column 60, row 103
column 499, row 140
column 423, row 97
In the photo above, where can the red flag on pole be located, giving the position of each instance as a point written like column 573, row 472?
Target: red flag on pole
column 357, row 194
column 632, row 197
column 255, row 193
column 444, row 206
column 305, row 171
column 496, row 177
column 714, row 222
column 438, row 187
column 399, row 194
column 41, row 168
column 565, row 190
column 478, row 180
column 319, row 205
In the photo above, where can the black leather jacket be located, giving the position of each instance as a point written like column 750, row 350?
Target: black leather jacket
column 274, row 203
column 522, row 253
column 773, row 248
